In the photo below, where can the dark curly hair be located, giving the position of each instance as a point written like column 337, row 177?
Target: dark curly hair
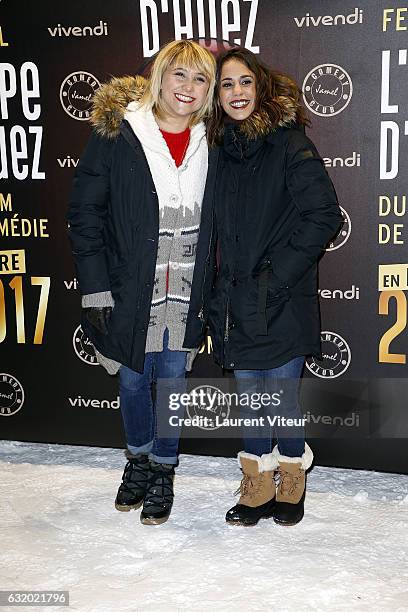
column 270, row 86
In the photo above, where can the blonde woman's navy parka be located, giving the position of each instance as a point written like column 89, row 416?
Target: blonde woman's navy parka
column 113, row 220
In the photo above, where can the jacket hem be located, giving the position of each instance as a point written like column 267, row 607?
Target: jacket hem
column 273, row 363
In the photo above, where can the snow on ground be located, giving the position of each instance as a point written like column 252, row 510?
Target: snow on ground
column 59, row 530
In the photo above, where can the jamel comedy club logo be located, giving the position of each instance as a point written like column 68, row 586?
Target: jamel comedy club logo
column 343, row 234
column 83, row 347
column 327, row 90
column 336, row 357
column 207, row 411
column 11, row 395
column 76, row 93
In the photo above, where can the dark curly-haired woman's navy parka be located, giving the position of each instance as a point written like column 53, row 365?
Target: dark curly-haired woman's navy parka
column 275, row 211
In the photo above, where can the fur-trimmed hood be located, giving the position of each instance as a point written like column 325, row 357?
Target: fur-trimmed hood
column 245, row 137
column 111, row 100
column 260, row 123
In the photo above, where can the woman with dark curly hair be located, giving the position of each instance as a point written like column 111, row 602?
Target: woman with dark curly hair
column 275, row 210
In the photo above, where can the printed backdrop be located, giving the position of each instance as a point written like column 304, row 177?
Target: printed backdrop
column 351, row 62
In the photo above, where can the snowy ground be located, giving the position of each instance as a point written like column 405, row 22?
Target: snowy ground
column 59, row 530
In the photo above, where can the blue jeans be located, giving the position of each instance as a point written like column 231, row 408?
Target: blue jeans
column 139, row 410
column 286, row 378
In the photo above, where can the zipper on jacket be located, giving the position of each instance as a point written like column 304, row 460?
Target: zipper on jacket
column 226, row 330
column 238, row 144
column 201, row 311
column 226, row 333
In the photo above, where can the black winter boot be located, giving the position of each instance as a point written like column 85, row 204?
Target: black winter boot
column 134, row 481
column 159, row 496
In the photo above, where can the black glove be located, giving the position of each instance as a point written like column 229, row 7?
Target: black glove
column 99, row 317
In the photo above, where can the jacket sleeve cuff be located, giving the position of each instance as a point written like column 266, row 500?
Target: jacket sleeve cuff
column 111, row 366
column 101, row 299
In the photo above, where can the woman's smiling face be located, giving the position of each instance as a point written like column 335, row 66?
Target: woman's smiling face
column 237, row 89
column 183, row 90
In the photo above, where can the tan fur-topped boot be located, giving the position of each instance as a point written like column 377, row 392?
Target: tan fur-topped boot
column 290, row 478
column 257, row 490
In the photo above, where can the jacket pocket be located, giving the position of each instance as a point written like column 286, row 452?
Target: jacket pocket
column 271, row 301
column 275, row 297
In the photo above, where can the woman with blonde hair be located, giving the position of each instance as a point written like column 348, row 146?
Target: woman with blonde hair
column 141, row 190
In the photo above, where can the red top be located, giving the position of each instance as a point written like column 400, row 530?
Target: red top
column 177, row 144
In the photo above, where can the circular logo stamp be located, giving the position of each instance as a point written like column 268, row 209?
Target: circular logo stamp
column 336, row 357
column 11, row 395
column 327, row 90
column 210, row 405
column 343, row 234
column 83, row 347
column 76, row 94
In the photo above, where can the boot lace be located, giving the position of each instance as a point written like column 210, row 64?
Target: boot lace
column 134, row 475
column 287, row 481
column 160, row 487
column 249, row 485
